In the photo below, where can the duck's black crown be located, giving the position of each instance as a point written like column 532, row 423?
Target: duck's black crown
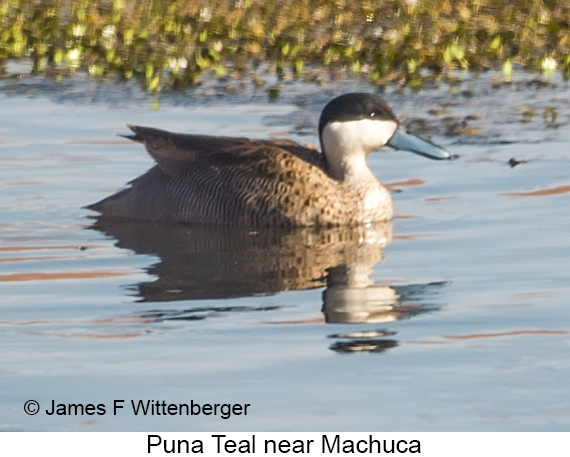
column 353, row 107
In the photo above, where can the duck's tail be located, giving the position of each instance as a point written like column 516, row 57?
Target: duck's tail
column 133, row 136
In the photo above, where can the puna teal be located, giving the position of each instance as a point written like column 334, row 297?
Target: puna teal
column 247, row 182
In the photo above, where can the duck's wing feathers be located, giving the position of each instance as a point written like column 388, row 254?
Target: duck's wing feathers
column 175, row 153
column 232, row 181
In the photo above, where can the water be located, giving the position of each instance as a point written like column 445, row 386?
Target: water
column 453, row 317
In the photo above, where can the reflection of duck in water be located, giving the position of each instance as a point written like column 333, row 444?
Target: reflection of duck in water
column 239, row 181
column 198, row 263
column 352, row 297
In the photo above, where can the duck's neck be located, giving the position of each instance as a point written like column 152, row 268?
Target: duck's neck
column 346, row 145
column 348, row 167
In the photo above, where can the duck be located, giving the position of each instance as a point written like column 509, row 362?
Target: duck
column 233, row 181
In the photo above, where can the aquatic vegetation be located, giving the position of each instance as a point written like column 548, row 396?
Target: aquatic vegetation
column 172, row 44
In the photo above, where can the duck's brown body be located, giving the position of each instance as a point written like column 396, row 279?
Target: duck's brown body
column 237, row 181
